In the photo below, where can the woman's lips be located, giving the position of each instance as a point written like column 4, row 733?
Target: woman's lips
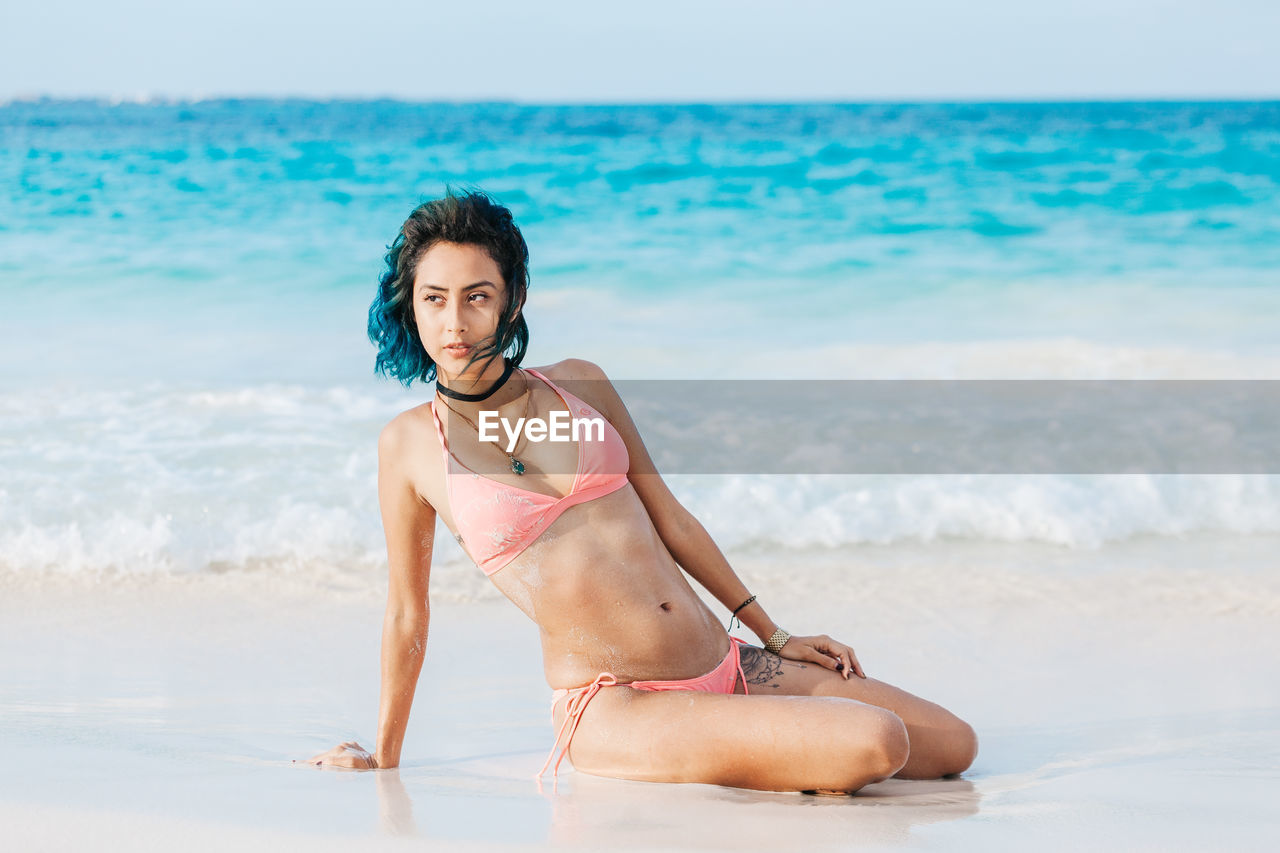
column 458, row 350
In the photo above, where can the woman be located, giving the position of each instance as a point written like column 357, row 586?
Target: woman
column 585, row 537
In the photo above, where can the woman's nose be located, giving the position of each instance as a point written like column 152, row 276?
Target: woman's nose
column 453, row 320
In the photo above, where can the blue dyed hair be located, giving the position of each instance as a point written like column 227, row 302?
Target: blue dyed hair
column 470, row 218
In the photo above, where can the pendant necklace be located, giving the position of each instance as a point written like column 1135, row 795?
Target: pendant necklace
column 517, row 467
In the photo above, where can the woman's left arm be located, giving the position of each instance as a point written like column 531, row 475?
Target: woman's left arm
column 697, row 553
column 688, row 541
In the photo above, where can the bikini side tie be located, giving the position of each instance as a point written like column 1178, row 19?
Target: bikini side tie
column 578, row 699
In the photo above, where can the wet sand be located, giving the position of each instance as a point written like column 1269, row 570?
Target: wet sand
column 1124, row 699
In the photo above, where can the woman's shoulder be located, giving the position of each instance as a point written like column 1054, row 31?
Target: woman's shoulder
column 407, row 431
column 409, row 448
column 588, row 382
column 573, row 369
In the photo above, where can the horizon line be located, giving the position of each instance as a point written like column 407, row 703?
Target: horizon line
column 154, row 98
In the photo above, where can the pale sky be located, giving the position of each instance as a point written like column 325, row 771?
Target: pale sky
column 744, row 50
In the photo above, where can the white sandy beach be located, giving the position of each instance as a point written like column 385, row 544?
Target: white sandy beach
column 1125, row 698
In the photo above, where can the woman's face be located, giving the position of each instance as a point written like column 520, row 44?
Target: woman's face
column 458, row 296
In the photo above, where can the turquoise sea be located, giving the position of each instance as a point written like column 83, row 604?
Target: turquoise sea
column 185, row 383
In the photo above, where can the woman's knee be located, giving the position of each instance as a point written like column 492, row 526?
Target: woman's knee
column 946, row 750
column 893, row 746
column 963, row 748
column 874, row 748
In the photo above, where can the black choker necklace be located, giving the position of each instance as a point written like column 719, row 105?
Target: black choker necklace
column 476, row 398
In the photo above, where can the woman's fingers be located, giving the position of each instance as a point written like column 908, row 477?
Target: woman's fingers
column 849, row 662
column 829, row 652
column 819, row 654
column 825, row 651
column 857, row 667
column 346, row 754
column 846, row 659
column 834, row 656
column 842, row 664
column 836, row 652
column 317, row 758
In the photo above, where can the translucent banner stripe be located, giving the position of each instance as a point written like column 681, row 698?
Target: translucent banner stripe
column 946, row 427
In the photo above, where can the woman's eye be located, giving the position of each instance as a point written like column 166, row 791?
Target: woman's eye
column 435, row 297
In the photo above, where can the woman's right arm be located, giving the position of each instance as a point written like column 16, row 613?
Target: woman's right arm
column 409, row 524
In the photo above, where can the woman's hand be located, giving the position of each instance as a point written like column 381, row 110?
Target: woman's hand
column 349, row 754
column 823, row 650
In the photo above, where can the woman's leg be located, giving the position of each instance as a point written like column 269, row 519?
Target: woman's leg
column 941, row 743
column 769, row 743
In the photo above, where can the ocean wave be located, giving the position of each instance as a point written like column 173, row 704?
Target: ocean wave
column 751, row 513
column 179, row 478
column 113, row 533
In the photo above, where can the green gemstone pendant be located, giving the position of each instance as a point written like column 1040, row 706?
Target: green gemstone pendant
column 517, row 467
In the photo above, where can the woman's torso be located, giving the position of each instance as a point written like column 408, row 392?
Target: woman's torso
column 598, row 581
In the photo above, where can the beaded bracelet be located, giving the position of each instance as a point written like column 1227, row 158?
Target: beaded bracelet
column 733, row 617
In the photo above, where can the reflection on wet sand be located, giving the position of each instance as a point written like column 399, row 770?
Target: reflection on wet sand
column 591, row 811
column 395, row 808
column 596, row 812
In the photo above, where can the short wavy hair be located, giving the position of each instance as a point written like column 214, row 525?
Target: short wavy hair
column 470, row 218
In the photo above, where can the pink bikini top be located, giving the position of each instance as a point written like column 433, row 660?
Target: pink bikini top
column 496, row 522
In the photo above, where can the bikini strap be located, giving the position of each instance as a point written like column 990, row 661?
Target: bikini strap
column 578, row 699
column 737, row 661
column 538, row 373
column 560, row 392
column 569, row 399
column 444, row 444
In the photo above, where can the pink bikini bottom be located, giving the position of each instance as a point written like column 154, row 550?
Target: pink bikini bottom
column 722, row 679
